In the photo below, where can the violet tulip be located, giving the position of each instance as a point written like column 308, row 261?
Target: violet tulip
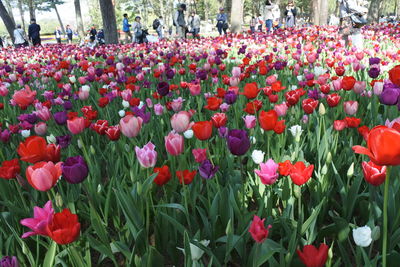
column 238, row 142
column 75, row 169
column 207, row 170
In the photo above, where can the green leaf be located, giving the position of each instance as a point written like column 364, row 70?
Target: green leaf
column 50, row 255
column 312, row 217
column 266, row 251
column 172, row 206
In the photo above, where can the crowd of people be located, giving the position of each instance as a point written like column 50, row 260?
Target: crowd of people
column 351, row 18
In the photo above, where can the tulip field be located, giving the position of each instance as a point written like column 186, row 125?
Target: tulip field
column 244, row 150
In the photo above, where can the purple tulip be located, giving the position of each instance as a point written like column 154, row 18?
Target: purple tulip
column 223, row 132
column 163, row 88
column 75, row 169
column 374, row 61
column 390, row 95
column 207, row 170
column 238, row 142
column 63, row 140
column 8, row 261
column 373, row 72
column 67, row 105
column 5, row 136
column 230, row 97
column 60, row 117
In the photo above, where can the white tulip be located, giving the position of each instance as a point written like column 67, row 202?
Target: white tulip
column 296, row 132
column 51, row 139
column 72, row 79
column 25, row 133
column 197, row 252
column 188, row 134
column 257, row 156
column 121, row 113
column 85, row 88
column 362, row 236
column 125, row 104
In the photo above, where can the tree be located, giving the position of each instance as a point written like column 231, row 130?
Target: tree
column 323, row 12
column 31, row 7
column 109, row 21
column 79, row 21
column 315, row 11
column 48, row 5
column 10, row 25
column 236, row 16
column 8, row 6
column 374, row 10
column 21, row 12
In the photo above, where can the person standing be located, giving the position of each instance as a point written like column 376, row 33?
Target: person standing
column 70, row 33
column 253, row 23
column 34, row 33
column 20, row 39
column 57, row 34
column 160, row 28
column 347, row 27
column 268, row 15
column 126, row 28
column 194, row 23
column 93, row 31
column 222, row 21
column 137, row 30
column 291, row 13
column 179, row 21
column 276, row 12
column 260, row 23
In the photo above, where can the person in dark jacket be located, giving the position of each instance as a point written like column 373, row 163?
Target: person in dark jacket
column 34, row 33
column 70, row 33
column 291, row 13
column 93, row 31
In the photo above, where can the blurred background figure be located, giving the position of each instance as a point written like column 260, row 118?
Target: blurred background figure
column 291, row 13
column 34, row 33
column 20, row 39
column 222, row 21
column 57, row 34
column 126, row 28
column 194, row 24
column 69, row 33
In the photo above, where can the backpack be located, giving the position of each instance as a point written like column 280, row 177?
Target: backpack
column 156, row 24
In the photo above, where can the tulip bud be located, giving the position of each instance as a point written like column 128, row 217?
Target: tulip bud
column 324, row 170
column 92, row 151
column 121, row 113
column 321, row 109
column 127, row 148
column 228, row 229
column 125, row 104
column 26, row 133
column 297, row 192
column 350, row 171
column 329, row 158
column 80, row 144
column 59, row 200
column 99, row 188
column 188, row 134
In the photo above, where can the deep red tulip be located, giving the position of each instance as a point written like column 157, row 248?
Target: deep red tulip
column 253, row 107
column 33, row 149
column 9, row 169
column 333, row 100
column 213, row 103
column 339, row 71
column 394, row 75
column 64, row 228
column 348, row 83
column 280, row 127
column 186, row 176
column 313, row 257
column 251, row 90
column 285, row 168
column 100, row 126
column 352, row 122
column 374, row 174
column 258, row 231
column 309, row 105
column 163, row 175
column 113, row 133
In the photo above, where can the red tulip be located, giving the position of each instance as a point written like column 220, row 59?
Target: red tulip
column 9, row 169
column 352, row 122
column 292, row 97
column 300, row 174
column 285, row 168
column 113, row 133
column 374, row 174
column 100, row 126
column 253, row 107
column 202, row 129
column 383, row 146
column 348, row 82
column 339, row 70
column 163, row 175
column 219, row 119
column 280, row 127
column 333, row 100
column 213, row 103
column 394, row 75
column 35, row 149
column 268, row 120
column 251, row 90
column 339, row 125
column 64, row 228
column 364, row 131
column 258, row 231
column 313, row 257
column 309, row 105
column 186, row 176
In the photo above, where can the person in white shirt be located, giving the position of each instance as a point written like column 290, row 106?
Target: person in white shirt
column 260, row 23
column 20, row 39
column 268, row 15
column 194, row 23
column 92, row 43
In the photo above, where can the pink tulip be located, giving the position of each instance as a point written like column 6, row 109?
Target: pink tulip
column 83, row 95
column 3, row 90
column 82, row 80
column 271, row 79
column 147, row 156
column 42, row 112
column 337, row 84
column 40, row 128
column 269, row 172
column 43, row 175
column 311, row 58
column 359, row 87
column 281, row 109
column 158, row 109
column 234, row 81
column 350, row 107
column 194, row 89
column 76, row 125
column 378, row 88
column 23, row 98
column 149, row 102
column 174, row 143
column 176, row 104
column 130, row 125
column 126, row 95
column 199, row 154
column 180, row 121
column 42, row 217
column 250, row 121
column 236, row 71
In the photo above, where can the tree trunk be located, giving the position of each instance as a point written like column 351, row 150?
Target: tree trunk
column 323, row 12
column 228, row 8
column 398, row 10
column 79, row 21
column 236, row 16
column 59, row 18
column 31, row 9
column 109, row 21
column 9, row 10
column 315, row 11
column 10, row 25
column 21, row 12
column 374, row 10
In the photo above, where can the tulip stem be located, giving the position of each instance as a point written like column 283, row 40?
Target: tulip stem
column 385, row 217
